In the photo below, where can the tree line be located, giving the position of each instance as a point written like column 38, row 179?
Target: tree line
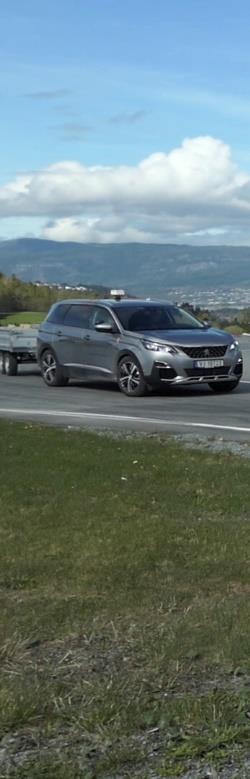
column 17, row 295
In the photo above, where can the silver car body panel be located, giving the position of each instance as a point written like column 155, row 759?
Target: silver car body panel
column 87, row 352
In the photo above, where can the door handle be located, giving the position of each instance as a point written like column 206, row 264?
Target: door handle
column 86, row 337
column 59, row 332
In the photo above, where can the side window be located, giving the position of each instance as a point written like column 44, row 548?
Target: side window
column 57, row 314
column 78, row 316
column 101, row 316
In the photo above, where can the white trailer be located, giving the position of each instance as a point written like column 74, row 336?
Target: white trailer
column 17, row 345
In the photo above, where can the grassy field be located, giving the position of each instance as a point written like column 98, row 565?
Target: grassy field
column 125, row 609
column 23, row 318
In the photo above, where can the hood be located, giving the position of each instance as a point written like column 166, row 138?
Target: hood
column 199, row 337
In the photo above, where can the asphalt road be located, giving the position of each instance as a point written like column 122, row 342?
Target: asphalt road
column 194, row 409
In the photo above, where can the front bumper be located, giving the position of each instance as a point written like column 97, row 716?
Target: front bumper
column 175, row 371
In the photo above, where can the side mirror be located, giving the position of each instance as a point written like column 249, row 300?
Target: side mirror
column 207, row 324
column 104, row 327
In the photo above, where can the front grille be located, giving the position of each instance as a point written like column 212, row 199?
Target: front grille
column 192, row 373
column 204, row 351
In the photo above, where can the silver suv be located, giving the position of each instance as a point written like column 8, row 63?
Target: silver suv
column 137, row 343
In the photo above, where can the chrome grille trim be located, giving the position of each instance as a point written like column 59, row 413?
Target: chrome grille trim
column 204, row 352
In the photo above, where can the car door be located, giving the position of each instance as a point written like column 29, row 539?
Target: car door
column 102, row 347
column 72, row 337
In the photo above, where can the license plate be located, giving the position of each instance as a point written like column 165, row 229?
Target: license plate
column 208, row 363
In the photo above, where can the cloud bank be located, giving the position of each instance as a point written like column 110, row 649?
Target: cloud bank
column 195, row 192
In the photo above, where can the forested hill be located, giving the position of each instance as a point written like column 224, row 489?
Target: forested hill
column 139, row 268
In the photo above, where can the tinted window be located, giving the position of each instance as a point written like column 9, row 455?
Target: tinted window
column 155, row 317
column 57, row 314
column 102, row 316
column 78, row 316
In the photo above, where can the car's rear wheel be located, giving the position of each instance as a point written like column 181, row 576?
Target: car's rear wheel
column 10, row 364
column 130, row 377
column 51, row 370
column 224, row 386
column 2, row 363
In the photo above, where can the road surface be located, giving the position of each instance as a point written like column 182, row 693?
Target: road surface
column 184, row 410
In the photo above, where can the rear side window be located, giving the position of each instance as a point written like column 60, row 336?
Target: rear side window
column 57, row 314
column 78, row 316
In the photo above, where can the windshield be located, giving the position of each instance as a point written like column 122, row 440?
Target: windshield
column 155, row 317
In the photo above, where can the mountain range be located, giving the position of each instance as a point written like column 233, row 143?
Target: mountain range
column 138, row 268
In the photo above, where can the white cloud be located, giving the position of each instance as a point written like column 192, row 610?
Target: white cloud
column 212, row 232
column 129, row 117
column 105, row 229
column 195, row 189
column 49, row 94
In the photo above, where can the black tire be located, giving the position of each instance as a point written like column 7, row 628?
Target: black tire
column 51, row 370
column 10, row 364
column 224, row 386
column 130, row 377
column 2, row 363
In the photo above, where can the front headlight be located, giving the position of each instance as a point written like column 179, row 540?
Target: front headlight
column 153, row 346
column 234, row 346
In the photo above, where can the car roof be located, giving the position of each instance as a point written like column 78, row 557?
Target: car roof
column 112, row 303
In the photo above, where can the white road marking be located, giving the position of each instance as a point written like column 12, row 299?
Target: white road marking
column 121, row 418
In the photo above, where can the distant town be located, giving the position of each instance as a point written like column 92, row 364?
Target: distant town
column 67, row 287
column 216, row 299
column 235, row 298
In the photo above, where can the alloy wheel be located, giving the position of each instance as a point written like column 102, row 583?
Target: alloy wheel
column 129, row 377
column 49, row 368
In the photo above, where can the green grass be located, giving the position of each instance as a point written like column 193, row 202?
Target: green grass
column 23, row 318
column 234, row 329
column 125, row 609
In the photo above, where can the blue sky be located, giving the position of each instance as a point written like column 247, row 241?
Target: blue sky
column 109, row 82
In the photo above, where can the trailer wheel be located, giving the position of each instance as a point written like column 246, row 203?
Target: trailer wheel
column 2, row 363
column 10, row 364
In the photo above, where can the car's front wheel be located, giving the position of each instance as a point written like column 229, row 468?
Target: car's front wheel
column 51, row 371
column 224, row 386
column 130, row 377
